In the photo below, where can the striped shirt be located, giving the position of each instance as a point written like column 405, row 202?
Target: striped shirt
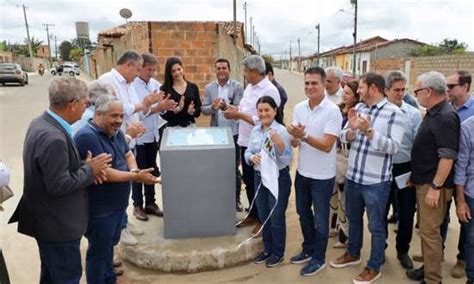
column 370, row 161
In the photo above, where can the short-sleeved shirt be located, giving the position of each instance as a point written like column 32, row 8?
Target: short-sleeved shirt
column 323, row 119
column 437, row 137
column 106, row 197
column 248, row 105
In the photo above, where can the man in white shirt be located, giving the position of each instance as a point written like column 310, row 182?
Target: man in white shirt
column 147, row 145
column 332, row 84
column 218, row 96
column 121, row 77
column 315, row 127
column 246, row 114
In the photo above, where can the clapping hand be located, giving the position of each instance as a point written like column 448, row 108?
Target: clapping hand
column 180, row 105
column 136, row 129
column 297, row 131
column 191, row 109
column 99, row 164
column 217, row 103
column 231, row 113
column 145, row 176
column 167, row 104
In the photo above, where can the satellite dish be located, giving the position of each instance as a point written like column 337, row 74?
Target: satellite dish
column 125, row 13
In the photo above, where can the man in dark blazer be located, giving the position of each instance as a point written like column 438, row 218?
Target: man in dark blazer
column 54, row 206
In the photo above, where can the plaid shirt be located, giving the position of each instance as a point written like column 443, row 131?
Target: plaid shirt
column 370, row 161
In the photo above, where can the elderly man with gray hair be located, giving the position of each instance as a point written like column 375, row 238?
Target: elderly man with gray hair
column 109, row 200
column 54, row 205
column 246, row 114
column 434, row 151
column 332, row 84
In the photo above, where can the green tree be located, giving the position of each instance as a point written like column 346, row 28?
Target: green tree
column 3, row 45
column 76, row 54
column 447, row 46
column 65, row 50
column 268, row 58
column 35, row 44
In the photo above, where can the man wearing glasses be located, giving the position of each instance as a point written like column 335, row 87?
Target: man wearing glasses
column 459, row 84
column 434, row 150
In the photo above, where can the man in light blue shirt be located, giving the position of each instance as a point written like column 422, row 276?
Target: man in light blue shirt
column 464, row 181
column 403, row 199
column 459, row 84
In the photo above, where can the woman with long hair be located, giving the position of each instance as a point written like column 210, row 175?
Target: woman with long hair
column 269, row 147
column 350, row 98
column 184, row 92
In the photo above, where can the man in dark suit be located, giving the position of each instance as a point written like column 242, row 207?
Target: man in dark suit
column 54, row 205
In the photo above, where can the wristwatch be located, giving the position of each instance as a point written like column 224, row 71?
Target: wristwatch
column 305, row 138
column 369, row 131
column 435, row 186
column 135, row 170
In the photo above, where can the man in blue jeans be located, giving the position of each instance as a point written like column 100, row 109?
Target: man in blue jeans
column 108, row 201
column 375, row 130
column 464, row 181
column 315, row 127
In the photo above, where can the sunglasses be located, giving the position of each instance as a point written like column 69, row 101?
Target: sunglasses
column 451, row 86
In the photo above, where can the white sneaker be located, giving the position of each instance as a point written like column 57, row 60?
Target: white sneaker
column 340, row 245
column 136, row 231
column 127, row 239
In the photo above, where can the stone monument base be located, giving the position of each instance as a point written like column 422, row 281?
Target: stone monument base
column 188, row 255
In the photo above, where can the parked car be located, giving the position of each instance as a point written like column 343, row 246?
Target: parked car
column 12, row 73
column 66, row 68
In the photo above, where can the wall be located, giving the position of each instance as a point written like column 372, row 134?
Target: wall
column 394, row 50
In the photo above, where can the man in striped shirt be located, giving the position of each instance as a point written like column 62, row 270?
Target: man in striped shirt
column 375, row 130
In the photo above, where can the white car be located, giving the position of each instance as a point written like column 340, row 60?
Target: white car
column 69, row 69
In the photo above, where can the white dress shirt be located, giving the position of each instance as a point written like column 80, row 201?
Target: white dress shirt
column 153, row 121
column 248, row 105
column 126, row 94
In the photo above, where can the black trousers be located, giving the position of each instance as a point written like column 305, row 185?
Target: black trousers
column 248, row 177
column 406, row 199
column 146, row 158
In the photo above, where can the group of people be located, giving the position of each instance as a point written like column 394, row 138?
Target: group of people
column 359, row 145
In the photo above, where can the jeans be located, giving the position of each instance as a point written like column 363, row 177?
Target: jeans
column 314, row 226
column 374, row 198
column 274, row 231
column 469, row 244
column 146, row 158
column 103, row 233
column 60, row 262
column 406, row 199
column 248, row 177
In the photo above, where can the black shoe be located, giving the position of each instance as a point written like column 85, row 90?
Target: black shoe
column 262, row 257
column 405, row 261
column 416, row 274
column 470, row 281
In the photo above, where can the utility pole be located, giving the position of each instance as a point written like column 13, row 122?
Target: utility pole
column 254, row 38
column 49, row 42
column 289, row 65
column 319, row 28
column 251, row 32
column 30, row 49
column 355, row 37
column 235, row 22
column 299, row 56
column 245, row 27
column 56, row 47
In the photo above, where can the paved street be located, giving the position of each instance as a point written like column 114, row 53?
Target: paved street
column 18, row 105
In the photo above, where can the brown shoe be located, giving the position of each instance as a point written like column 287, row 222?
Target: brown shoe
column 459, row 269
column 140, row 214
column 117, row 263
column 419, row 258
column 345, row 260
column 249, row 221
column 256, row 230
column 367, row 276
column 154, row 210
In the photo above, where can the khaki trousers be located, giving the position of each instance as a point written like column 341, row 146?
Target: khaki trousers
column 430, row 220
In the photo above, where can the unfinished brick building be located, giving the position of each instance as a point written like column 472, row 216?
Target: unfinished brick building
column 198, row 44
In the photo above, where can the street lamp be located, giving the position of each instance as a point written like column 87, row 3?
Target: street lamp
column 318, row 27
column 354, row 34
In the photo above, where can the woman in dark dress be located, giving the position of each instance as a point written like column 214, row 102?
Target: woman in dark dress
column 182, row 91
